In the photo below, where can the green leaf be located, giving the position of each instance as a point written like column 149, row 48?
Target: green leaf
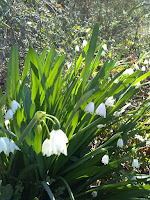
column 90, row 54
column 37, row 142
column 6, row 192
column 13, row 71
column 48, row 190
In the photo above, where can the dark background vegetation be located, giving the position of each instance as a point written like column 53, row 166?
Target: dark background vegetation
column 65, row 23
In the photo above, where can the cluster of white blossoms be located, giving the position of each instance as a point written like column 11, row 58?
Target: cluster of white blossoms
column 57, row 143
column 105, row 158
column 7, row 146
column 101, row 109
column 14, row 106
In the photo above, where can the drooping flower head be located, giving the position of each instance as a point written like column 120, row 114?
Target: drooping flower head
column 14, row 106
column 105, row 159
column 9, row 114
column 135, row 163
column 94, row 194
column 100, row 126
column 76, row 48
column 101, row 110
column 120, row 143
column 105, row 47
column 89, row 108
column 84, row 43
column 56, row 144
column 7, row 146
column 128, row 71
column 110, row 101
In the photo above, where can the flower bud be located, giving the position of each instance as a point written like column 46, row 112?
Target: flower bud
column 105, row 159
column 120, row 143
column 39, row 128
column 135, row 163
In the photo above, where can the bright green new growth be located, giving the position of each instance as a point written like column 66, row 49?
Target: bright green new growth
column 46, row 86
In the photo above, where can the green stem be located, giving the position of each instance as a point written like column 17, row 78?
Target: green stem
column 68, row 188
column 39, row 115
column 48, row 190
column 26, row 131
column 57, row 121
column 50, row 120
column 46, row 127
column 7, row 131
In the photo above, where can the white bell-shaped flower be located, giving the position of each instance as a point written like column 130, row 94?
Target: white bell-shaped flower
column 133, row 178
column 110, row 101
column 143, row 69
column 129, row 71
column 135, row 163
column 105, row 159
column 117, row 114
column 14, row 106
column 7, row 146
column 56, row 144
column 120, row 143
column 100, row 126
column 101, row 110
column 46, row 150
column 13, row 146
column 89, row 108
column 105, row 47
column 76, row 48
column 84, row 43
column 146, row 62
column 94, row 194
column 9, row 114
column 3, row 145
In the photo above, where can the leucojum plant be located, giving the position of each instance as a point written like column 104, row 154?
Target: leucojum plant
column 70, row 134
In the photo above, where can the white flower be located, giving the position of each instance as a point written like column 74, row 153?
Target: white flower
column 9, row 114
column 105, row 159
column 116, row 80
column 14, row 106
column 90, row 108
column 7, row 123
column 101, row 110
column 94, row 194
column 12, row 146
column 133, row 178
column 136, row 66
column 110, row 101
column 100, row 126
column 124, row 107
column 77, row 48
column 3, row 146
column 84, row 43
column 143, row 69
column 120, row 143
column 146, row 62
column 46, row 150
column 117, row 114
column 135, row 163
column 128, row 71
column 7, row 146
column 105, row 47
column 56, row 144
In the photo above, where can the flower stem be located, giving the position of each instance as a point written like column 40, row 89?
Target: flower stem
column 57, row 124
column 48, row 190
